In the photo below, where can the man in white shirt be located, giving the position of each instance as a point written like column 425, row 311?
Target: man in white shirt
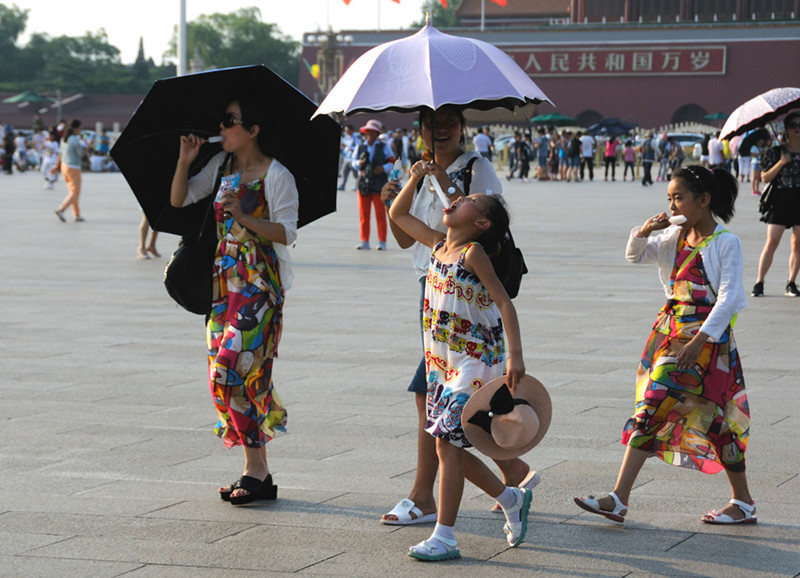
column 483, row 143
column 587, row 155
column 716, row 157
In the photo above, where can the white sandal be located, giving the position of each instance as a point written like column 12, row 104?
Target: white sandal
column 749, row 511
column 435, row 549
column 515, row 531
column 403, row 510
column 591, row 504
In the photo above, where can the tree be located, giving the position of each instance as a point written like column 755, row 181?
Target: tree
column 238, row 39
column 441, row 17
column 12, row 24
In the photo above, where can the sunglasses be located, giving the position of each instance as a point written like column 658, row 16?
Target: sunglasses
column 229, row 121
column 793, row 125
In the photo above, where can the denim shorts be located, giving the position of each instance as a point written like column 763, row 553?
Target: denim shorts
column 419, row 383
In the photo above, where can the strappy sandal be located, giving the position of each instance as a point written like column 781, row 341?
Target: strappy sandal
column 257, row 490
column 435, row 549
column 591, row 504
column 749, row 511
column 515, row 531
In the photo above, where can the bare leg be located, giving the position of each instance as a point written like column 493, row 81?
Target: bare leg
column 631, row 466
column 794, row 257
column 144, row 227
column 427, row 465
column 451, row 481
column 513, row 470
column 255, row 466
column 774, row 234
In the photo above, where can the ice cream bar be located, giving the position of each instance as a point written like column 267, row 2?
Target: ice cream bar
column 677, row 219
column 213, row 139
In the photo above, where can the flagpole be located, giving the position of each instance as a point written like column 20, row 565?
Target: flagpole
column 483, row 15
column 182, row 39
column 379, row 15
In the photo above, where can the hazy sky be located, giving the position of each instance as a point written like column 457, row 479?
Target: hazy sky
column 125, row 21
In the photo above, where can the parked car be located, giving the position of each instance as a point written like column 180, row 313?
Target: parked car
column 690, row 141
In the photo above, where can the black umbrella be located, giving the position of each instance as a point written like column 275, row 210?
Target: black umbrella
column 147, row 150
column 611, row 127
column 753, row 137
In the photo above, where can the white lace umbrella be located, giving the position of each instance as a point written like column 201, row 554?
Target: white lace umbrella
column 431, row 69
column 760, row 110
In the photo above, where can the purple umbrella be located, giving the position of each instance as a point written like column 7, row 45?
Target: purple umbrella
column 760, row 110
column 429, row 70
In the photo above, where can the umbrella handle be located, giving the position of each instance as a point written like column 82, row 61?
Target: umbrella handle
column 438, row 188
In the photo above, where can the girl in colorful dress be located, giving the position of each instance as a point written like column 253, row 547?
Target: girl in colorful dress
column 465, row 313
column 691, row 404
column 255, row 209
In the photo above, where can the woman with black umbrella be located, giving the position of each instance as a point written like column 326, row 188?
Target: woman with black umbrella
column 781, row 166
column 255, row 208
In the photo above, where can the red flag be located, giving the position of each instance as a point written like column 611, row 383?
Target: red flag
column 398, row 1
column 500, row 2
column 444, row 4
column 346, row 2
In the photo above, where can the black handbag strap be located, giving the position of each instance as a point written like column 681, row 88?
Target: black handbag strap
column 223, row 165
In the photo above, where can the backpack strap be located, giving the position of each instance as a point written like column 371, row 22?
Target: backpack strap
column 468, row 175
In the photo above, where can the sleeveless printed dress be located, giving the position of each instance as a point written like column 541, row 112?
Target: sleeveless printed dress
column 244, row 327
column 463, row 337
column 696, row 418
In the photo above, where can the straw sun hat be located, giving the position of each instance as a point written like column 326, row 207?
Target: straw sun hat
column 505, row 427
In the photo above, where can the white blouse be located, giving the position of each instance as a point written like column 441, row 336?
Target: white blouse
column 282, row 200
column 722, row 260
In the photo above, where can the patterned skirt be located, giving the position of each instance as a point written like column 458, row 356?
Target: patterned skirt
column 696, row 418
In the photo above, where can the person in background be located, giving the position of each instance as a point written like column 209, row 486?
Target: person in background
column 373, row 161
column 629, row 158
column 348, row 146
column 781, row 167
column 483, row 143
column 146, row 249
column 610, row 157
column 50, row 148
column 71, row 161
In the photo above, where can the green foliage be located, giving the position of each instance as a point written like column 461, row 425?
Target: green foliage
column 440, row 17
column 239, row 39
column 89, row 63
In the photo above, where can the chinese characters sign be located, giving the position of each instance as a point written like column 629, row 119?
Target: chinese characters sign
column 622, row 61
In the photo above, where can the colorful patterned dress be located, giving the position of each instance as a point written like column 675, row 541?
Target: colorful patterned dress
column 696, row 418
column 463, row 336
column 244, row 327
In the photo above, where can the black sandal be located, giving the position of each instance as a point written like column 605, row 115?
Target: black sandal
column 226, row 494
column 257, row 490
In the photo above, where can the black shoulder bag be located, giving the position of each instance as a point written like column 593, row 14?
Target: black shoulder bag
column 188, row 274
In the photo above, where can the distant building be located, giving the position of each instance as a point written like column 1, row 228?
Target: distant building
column 652, row 62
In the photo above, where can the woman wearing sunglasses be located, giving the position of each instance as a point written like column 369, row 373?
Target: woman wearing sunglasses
column 781, row 167
column 255, row 208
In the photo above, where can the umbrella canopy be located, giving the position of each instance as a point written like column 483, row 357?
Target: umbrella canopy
column 611, row 127
column 751, row 138
column 147, row 150
column 555, row 119
column 27, row 96
column 428, row 70
column 760, row 110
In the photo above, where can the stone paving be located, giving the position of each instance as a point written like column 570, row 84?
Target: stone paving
column 108, row 466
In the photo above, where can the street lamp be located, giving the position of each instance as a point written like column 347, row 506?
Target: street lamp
column 329, row 58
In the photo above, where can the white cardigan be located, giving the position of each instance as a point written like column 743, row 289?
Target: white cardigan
column 722, row 260
column 282, row 200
